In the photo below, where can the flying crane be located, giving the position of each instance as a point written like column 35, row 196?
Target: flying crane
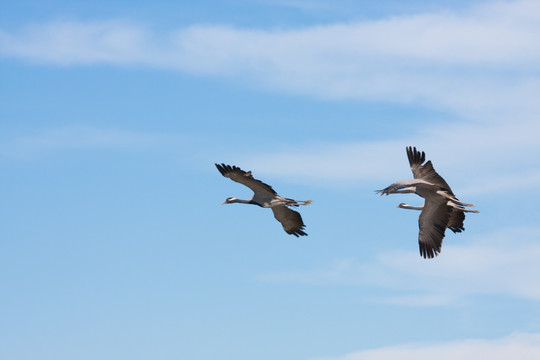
column 264, row 196
column 441, row 208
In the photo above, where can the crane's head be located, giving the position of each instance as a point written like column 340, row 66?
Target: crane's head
column 401, row 205
column 229, row 200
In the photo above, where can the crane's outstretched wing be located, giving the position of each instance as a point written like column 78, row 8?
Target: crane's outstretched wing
column 290, row 220
column 244, row 177
column 425, row 172
column 432, row 222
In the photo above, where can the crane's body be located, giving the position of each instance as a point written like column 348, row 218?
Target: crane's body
column 267, row 202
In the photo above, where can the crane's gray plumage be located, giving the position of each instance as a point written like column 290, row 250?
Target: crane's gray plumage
column 455, row 221
column 441, row 208
column 265, row 196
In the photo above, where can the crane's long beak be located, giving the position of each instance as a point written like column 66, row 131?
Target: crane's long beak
column 223, row 203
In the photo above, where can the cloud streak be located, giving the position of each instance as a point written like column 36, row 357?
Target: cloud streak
column 473, row 158
column 451, row 60
column 504, row 263
column 515, row 346
column 84, row 137
column 481, row 64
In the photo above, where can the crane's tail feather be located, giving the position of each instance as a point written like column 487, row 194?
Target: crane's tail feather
column 461, row 208
column 295, row 203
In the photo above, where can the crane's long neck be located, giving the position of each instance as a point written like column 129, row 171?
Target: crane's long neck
column 449, row 203
column 241, row 201
column 410, row 207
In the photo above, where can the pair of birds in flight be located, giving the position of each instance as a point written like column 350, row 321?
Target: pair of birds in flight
column 441, row 208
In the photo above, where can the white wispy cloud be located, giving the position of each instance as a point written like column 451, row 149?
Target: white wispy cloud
column 480, row 63
column 459, row 60
column 474, row 158
column 328, row 163
column 84, row 137
column 523, row 346
column 504, row 263
column 78, row 43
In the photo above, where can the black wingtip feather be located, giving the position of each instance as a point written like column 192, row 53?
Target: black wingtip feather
column 224, row 169
column 220, row 169
column 415, row 157
column 428, row 252
column 297, row 233
column 456, row 229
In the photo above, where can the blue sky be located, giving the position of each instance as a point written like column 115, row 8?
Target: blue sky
column 113, row 243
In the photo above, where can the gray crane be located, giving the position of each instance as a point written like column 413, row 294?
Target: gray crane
column 264, row 196
column 441, row 208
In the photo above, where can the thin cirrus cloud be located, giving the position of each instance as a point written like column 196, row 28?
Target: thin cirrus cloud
column 481, row 63
column 458, row 61
column 523, row 346
column 493, row 158
column 84, row 137
column 78, row 43
column 503, row 263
